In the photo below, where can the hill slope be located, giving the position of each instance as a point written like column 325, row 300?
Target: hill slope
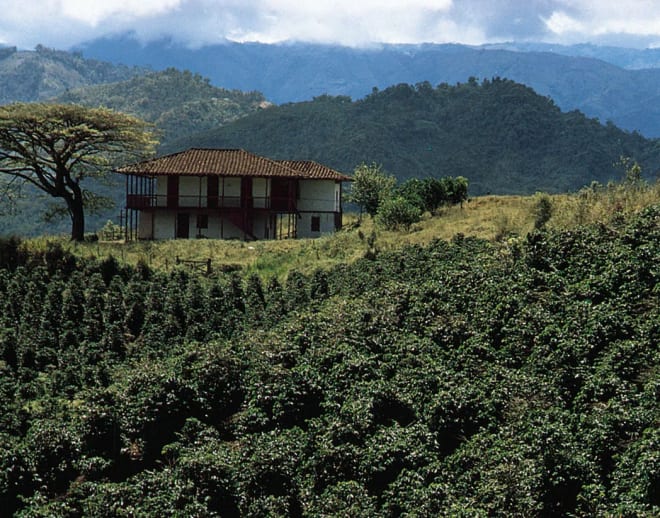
column 178, row 103
column 499, row 134
column 296, row 72
column 44, row 73
column 453, row 379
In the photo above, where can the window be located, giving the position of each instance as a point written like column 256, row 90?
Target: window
column 316, row 223
column 202, row 221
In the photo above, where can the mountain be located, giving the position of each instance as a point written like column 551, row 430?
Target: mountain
column 499, row 134
column 178, row 102
column 624, row 57
column 300, row 71
column 44, row 73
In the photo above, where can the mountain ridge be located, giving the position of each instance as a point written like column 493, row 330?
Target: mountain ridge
column 299, row 71
column 43, row 73
column 501, row 135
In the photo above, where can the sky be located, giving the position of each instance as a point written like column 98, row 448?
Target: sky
column 63, row 24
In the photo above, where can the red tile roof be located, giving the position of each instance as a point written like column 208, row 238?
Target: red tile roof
column 229, row 162
column 311, row 169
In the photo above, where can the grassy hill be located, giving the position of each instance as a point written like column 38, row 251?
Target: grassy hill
column 499, row 134
column 493, row 218
column 463, row 377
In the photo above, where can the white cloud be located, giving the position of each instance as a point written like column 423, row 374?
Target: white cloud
column 561, row 23
column 94, row 12
column 62, row 23
column 606, row 17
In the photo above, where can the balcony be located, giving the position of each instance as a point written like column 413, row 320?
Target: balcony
column 142, row 202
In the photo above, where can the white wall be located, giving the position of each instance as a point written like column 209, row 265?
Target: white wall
column 164, row 225
column 327, row 224
column 161, row 191
column 317, row 195
column 232, row 189
column 144, row 225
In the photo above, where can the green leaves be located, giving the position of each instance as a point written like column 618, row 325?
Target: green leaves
column 420, row 381
column 370, row 187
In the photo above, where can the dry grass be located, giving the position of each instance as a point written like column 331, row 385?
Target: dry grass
column 489, row 217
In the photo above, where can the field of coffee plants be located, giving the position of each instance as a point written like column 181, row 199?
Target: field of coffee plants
column 463, row 378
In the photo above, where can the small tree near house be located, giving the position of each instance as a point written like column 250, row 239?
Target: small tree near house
column 370, row 187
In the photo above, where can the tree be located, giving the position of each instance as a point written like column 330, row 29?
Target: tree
column 54, row 147
column 542, row 210
column 370, row 187
column 456, row 189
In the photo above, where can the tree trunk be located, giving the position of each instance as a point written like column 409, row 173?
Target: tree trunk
column 77, row 219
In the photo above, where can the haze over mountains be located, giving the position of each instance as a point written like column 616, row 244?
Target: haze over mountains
column 44, row 73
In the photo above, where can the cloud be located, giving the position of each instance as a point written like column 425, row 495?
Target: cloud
column 347, row 21
column 63, row 23
column 93, row 13
column 605, row 19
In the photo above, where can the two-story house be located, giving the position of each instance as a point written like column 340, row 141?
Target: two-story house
column 231, row 193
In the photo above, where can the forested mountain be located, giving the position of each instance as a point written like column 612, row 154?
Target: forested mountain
column 179, row 103
column 44, row 73
column 297, row 72
column 624, row 57
column 458, row 379
column 499, row 134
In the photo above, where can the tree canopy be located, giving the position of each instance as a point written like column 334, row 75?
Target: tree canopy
column 54, row 147
column 370, row 187
column 179, row 103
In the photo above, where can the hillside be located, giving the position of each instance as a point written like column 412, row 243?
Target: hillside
column 456, row 378
column 178, row 102
column 499, row 134
column 44, row 73
column 299, row 72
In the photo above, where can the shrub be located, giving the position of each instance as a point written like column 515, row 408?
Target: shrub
column 398, row 212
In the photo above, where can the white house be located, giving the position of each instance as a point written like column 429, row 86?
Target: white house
column 231, row 193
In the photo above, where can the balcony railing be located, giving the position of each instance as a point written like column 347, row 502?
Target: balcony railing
column 141, row 201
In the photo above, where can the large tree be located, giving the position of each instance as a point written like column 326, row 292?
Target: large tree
column 54, row 147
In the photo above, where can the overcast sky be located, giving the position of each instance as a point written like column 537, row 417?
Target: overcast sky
column 64, row 23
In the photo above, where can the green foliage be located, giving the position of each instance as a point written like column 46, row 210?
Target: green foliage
column 542, row 211
column 445, row 379
column 429, row 194
column 398, row 212
column 370, row 187
column 178, row 103
column 500, row 134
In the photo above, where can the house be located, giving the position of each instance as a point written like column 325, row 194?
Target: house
column 230, row 193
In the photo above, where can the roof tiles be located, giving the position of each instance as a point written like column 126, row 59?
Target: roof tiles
column 230, row 162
